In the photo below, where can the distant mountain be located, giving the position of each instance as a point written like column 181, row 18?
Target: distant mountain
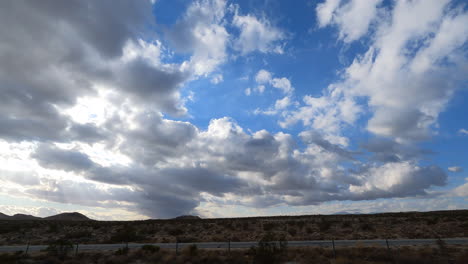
column 62, row 217
column 4, row 216
column 23, row 217
column 187, row 217
column 68, row 217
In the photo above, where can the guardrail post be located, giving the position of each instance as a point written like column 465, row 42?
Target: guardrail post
column 334, row 251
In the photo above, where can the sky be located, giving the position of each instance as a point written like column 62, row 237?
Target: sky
column 126, row 110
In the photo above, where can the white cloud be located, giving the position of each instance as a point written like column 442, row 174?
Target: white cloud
column 201, row 31
column 260, row 88
column 352, row 18
column 328, row 113
column 461, row 190
column 283, row 84
column 403, row 75
column 463, row 131
column 217, row 78
column 93, row 126
column 282, row 103
column 325, row 11
column 455, row 169
column 257, row 35
column 263, row 76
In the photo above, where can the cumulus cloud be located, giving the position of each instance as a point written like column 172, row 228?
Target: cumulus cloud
column 169, row 167
column 264, row 77
column 201, row 32
column 257, row 34
column 463, row 131
column 351, row 25
column 461, row 190
column 406, row 83
column 81, row 50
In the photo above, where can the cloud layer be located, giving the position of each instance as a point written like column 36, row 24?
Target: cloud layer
column 93, row 102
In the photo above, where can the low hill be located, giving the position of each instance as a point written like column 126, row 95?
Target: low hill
column 188, row 217
column 23, row 217
column 68, row 217
column 4, row 217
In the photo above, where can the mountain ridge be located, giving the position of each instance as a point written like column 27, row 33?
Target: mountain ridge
column 70, row 216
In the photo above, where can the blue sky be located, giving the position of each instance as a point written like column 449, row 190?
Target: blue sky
column 130, row 110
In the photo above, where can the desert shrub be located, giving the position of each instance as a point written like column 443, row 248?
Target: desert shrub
column 150, row 248
column 309, row 230
column 175, row 231
column 79, row 235
column 192, row 250
column 270, row 249
column 300, row 224
column 7, row 258
column 59, row 248
column 121, row 251
column 346, row 224
column 268, row 226
column 292, row 231
column 53, row 228
column 7, row 228
column 126, row 234
column 186, row 239
column 324, row 225
column 367, row 227
column 432, row 221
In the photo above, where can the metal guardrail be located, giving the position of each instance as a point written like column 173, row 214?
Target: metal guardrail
column 244, row 245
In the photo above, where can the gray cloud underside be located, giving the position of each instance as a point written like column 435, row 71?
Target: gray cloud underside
column 53, row 53
column 217, row 158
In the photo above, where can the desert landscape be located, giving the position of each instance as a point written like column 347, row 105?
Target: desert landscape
column 22, row 229
column 62, row 232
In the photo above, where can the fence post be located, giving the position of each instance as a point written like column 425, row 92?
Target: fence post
column 76, row 249
column 229, row 246
column 388, row 250
column 27, row 248
column 177, row 247
column 334, row 251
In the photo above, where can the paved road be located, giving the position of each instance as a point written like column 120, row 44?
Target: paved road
column 240, row 245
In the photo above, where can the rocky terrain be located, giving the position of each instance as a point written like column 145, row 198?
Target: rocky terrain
column 190, row 229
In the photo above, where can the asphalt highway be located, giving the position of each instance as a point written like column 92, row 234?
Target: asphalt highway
column 240, row 245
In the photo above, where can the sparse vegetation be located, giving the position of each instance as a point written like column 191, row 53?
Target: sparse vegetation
column 266, row 252
column 313, row 227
